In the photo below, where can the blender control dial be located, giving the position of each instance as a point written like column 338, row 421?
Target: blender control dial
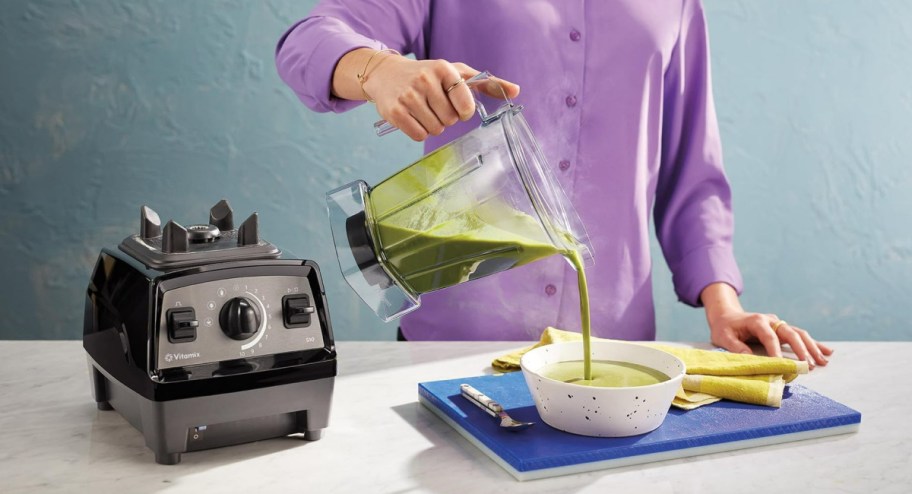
column 239, row 319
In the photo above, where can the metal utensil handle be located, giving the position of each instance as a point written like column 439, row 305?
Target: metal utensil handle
column 480, row 399
column 382, row 127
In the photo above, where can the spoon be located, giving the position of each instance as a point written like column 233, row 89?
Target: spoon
column 492, row 408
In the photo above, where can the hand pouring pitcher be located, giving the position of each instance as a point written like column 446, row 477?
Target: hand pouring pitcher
column 482, row 204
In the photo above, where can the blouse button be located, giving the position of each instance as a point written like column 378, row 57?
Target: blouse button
column 550, row 289
column 571, row 101
column 564, row 165
column 575, row 35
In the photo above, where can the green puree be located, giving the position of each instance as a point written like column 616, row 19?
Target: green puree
column 605, row 373
column 444, row 221
column 432, row 234
column 485, row 240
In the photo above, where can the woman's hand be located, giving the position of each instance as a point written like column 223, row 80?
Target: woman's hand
column 420, row 97
column 732, row 328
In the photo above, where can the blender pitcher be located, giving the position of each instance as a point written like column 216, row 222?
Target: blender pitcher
column 482, row 204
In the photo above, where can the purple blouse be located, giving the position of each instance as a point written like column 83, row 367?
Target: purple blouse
column 619, row 96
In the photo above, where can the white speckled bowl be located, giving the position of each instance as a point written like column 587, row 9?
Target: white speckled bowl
column 597, row 411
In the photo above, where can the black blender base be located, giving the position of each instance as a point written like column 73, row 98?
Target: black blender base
column 167, row 458
column 193, row 424
column 175, row 458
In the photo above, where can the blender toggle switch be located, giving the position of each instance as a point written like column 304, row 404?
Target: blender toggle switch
column 296, row 310
column 182, row 324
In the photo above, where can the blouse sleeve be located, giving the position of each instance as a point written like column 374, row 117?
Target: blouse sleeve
column 307, row 54
column 693, row 209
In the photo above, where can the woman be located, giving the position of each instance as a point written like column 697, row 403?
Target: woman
column 619, row 96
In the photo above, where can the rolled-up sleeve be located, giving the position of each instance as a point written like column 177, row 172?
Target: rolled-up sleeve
column 307, row 54
column 693, row 209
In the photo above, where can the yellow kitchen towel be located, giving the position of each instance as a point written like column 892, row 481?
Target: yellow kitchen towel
column 711, row 375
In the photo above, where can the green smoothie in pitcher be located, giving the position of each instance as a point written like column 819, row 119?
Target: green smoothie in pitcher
column 432, row 233
column 487, row 239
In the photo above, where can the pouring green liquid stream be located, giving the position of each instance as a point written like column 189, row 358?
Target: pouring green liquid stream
column 577, row 262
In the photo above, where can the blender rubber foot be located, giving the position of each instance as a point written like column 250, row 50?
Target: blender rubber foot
column 103, row 405
column 167, row 458
column 313, row 435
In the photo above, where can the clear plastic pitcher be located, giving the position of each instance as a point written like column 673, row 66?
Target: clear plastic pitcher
column 484, row 203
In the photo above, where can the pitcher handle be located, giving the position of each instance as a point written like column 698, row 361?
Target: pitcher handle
column 382, row 127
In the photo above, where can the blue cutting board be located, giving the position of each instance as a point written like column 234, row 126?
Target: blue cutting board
column 542, row 451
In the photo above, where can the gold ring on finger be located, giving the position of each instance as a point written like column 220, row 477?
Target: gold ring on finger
column 776, row 325
column 455, row 85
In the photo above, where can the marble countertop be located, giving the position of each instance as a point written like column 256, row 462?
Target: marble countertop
column 380, row 439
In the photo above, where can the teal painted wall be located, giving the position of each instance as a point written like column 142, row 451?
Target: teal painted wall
column 814, row 104
column 106, row 105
